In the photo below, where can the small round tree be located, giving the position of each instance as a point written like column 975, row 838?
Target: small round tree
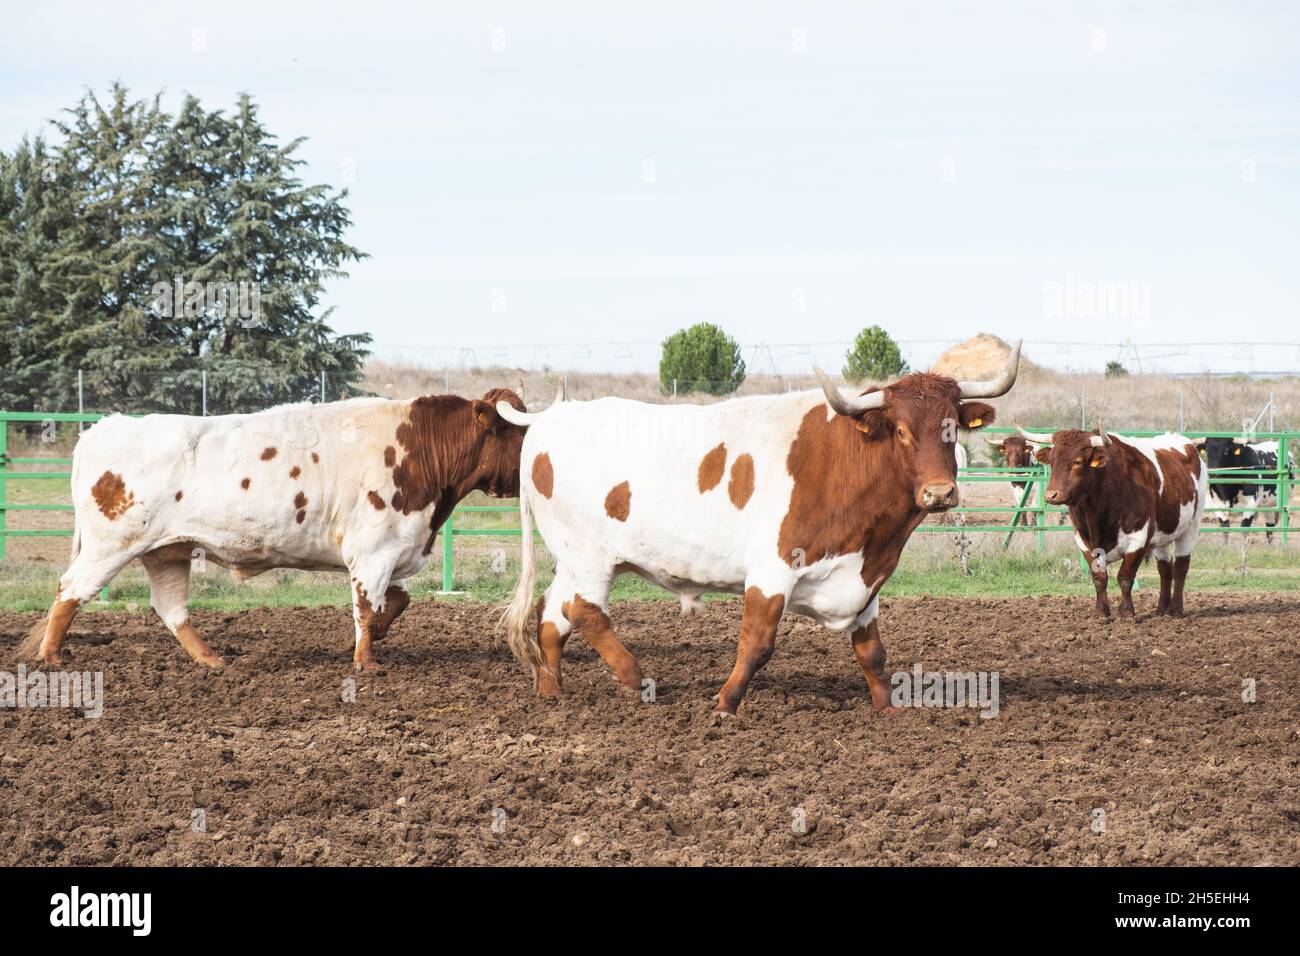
column 702, row 358
column 874, row 355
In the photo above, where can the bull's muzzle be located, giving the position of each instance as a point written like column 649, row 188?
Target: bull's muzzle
column 937, row 496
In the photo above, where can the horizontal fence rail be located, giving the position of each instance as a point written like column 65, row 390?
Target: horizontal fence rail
column 1031, row 514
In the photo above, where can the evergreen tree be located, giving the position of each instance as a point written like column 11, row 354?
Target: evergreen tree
column 152, row 248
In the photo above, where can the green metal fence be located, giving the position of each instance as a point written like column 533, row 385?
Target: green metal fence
column 1032, row 509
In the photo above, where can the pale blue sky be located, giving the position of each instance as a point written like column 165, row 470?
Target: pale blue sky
column 937, row 168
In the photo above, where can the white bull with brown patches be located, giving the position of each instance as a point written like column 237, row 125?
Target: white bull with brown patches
column 800, row 502
column 361, row 486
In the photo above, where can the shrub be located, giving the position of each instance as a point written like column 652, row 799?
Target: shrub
column 873, row 355
column 702, row 358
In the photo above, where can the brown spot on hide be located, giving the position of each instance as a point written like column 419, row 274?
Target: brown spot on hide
column 111, row 496
column 302, row 516
column 300, row 500
column 244, row 484
column 618, row 503
column 543, row 475
column 295, row 471
column 741, row 485
column 712, row 466
column 390, row 456
column 180, row 495
column 376, row 501
column 268, row 454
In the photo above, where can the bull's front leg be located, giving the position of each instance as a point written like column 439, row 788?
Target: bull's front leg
column 1100, row 580
column 1127, row 573
column 870, row 652
column 757, row 641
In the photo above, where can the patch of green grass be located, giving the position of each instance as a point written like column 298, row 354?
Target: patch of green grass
column 486, row 570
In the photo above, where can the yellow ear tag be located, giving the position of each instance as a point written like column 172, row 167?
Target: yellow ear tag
column 976, row 423
column 1094, row 463
column 862, row 427
column 1236, row 451
column 483, row 419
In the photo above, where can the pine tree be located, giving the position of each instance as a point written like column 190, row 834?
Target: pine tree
column 137, row 241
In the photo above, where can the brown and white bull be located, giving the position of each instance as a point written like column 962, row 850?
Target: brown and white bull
column 801, row 502
column 1128, row 498
column 361, row 486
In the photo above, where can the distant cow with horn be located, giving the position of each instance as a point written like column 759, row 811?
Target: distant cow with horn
column 799, row 502
column 1128, row 498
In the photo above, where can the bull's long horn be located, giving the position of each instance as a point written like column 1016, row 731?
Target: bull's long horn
column 845, row 404
column 1101, row 439
column 998, row 386
column 1198, row 442
column 515, row 417
column 1042, row 438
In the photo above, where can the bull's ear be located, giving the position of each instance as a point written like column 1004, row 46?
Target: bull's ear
column 486, row 414
column 977, row 414
column 874, row 424
column 1044, row 454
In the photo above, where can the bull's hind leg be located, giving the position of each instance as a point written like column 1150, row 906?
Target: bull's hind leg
column 396, row 600
column 757, row 641
column 1166, row 569
column 588, row 611
column 870, row 652
column 1181, row 564
column 592, row 621
column 553, row 630
column 84, row 579
column 169, row 594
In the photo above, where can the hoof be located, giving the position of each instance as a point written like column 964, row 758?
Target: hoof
column 212, row 661
column 369, row 666
column 889, row 709
column 554, row 691
column 53, row 658
column 723, row 716
column 631, row 691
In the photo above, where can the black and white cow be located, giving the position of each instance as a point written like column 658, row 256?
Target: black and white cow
column 1251, row 458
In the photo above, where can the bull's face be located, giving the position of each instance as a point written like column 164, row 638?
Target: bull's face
column 1225, row 453
column 1017, row 452
column 1078, row 461
column 500, row 445
column 922, row 418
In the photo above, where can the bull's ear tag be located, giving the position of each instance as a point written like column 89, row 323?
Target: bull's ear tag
column 1095, row 463
column 862, row 427
column 976, row 423
column 484, row 420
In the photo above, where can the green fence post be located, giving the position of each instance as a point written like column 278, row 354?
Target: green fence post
column 4, row 465
column 447, row 559
column 1042, row 503
column 1283, row 489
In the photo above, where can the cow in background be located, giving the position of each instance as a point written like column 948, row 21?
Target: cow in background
column 800, row 502
column 1252, row 458
column 1017, row 453
column 1129, row 498
column 360, row 486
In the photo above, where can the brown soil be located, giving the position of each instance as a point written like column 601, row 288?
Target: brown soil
column 1145, row 721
